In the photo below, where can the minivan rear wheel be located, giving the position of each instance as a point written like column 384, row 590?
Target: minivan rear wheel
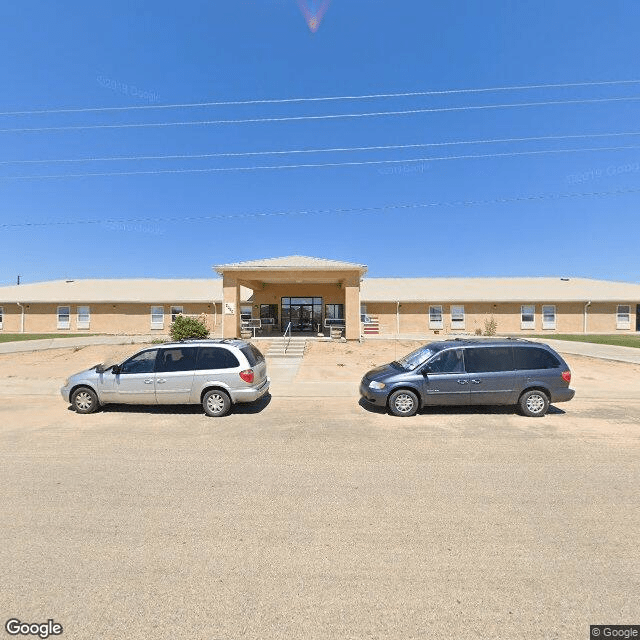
column 216, row 403
column 403, row 403
column 534, row 403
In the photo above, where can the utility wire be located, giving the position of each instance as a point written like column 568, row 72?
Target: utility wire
column 325, row 150
column 378, row 209
column 317, row 165
column 373, row 96
column 336, row 116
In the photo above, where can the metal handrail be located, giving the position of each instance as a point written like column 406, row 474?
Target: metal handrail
column 284, row 338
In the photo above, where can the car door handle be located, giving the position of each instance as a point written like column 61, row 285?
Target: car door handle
column 148, row 381
column 476, row 381
column 462, row 381
column 161, row 381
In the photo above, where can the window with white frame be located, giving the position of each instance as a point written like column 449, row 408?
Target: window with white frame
column 1, row 317
column 623, row 316
column 528, row 316
column 457, row 316
column 64, row 317
column 157, row 317
column 84, row 317
column 175, row 312
column 435, row 317
column 548, row 316
column 363, row 313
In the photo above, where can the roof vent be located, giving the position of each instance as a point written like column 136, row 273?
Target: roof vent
column 564, row 279
column 69, row 280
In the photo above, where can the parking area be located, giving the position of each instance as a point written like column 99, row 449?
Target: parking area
column 311, row 516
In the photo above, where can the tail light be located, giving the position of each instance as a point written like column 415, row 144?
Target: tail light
column 566, row 376
column 247, row 375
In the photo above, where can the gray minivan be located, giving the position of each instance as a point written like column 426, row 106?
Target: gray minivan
column 458, row 372
column 214, row 373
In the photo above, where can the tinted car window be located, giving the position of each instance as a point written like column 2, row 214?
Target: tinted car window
column 140, row 363
column 488, row 359
column 534, row 358
column 216, row 358
column 447, row 362
column 252, row 354
column 176, row 359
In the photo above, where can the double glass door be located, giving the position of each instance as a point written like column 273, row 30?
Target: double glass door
column 305, row 314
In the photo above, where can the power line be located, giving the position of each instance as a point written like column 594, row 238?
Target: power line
column 323, row 150
column 317, row 165
column 382, row 208
column 373, row 96
column 336, row 116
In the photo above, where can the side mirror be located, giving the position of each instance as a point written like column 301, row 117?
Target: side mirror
column 426, row 370
column 115, row 369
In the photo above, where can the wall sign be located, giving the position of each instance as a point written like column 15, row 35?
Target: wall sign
column 230, row 308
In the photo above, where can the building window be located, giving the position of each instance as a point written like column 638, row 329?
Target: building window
column 334, row 311
column 245, row 312
column 268, row 314
column 175, row 312
column 457, row 317
column 64, row 317
column 157, row 317
column 363, row 313
column 528, row 316
column 435, row 317
column 84, row 318
column 623, row 317
column 548, row 316
column 1, row 317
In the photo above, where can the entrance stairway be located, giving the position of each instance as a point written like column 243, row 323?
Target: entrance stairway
column 294, row 350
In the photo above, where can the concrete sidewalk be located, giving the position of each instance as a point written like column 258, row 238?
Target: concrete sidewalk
column 69, row 343
column 593, row 350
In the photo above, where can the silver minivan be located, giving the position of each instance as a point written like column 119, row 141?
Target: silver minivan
column 214, row 373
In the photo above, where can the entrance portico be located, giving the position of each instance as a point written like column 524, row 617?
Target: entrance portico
column 309, row 293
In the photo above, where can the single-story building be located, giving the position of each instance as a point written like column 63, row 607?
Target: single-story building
column 311, row 295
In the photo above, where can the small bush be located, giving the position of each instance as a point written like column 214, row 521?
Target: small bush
column 186, row 328
column 490, row 326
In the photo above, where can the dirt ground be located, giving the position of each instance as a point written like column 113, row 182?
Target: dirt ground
column 318, row 517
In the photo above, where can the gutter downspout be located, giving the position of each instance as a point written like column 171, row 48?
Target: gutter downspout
column 21, row 317
column 398, row 318
column 586, row 306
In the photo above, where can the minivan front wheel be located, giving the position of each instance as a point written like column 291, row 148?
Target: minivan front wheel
column 403, row 403
column 534, row 403
column 84, row 400
column 216, row 403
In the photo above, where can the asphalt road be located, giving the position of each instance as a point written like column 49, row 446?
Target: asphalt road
column 315, row 518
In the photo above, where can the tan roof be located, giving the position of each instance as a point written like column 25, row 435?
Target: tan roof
column 292, row 262
column 497, row 290
column 117, row 290
column 434, row 290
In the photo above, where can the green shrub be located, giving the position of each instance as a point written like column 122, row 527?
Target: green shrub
column 490, row 326
column 186, row 328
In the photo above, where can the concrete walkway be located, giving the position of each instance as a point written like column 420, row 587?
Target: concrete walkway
column 588, row 349
column 592, row 350
column 69, row 343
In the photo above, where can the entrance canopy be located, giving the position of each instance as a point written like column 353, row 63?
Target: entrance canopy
column 275, row 281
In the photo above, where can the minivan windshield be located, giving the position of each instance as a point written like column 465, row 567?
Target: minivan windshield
column 415, row 358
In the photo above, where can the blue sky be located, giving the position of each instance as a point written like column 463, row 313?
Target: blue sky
column 88, row 55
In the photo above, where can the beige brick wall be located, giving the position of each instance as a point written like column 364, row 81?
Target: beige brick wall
column 117, row 318
column 414, row 318
column 135, row 318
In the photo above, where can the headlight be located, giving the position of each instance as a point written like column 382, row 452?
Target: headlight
column 377, row 385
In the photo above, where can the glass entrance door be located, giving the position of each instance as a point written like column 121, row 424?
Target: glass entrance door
column 305, row 314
